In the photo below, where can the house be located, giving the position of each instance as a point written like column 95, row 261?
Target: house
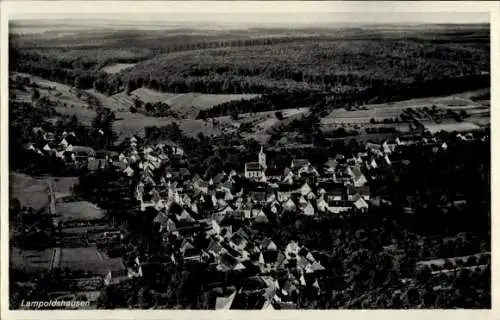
column 288, row 176
column 273, row 173
column 116, row 276
column 322, row 205
column 330, row 166
column 339, row 206
column 314, row 267
column 214, row 248
column 83, row 153
column 308, row 171
column 201, row 185
column 259, row 197
column 219, row 178
column 292, row 250
column 358, row 177
column 289, row 206
column 256, row 170
column 298, row 164
column 308, row 210
column 286, row 190
column 184, row 216
column 360, row 204
column 227, row 211
column 256, row 211
column 268, row 245
column 275, row 207
column 331, row 191
column 256, row 293
column 305, row 189
column 253, row 170
column 226, row 263
column 193, row 255
column 225, row 303
column 261, row 217
column 373, row 164
column 364, row 192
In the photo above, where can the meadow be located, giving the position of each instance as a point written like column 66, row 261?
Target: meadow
column 31, row 192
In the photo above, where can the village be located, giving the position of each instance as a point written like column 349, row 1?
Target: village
column 213, row 222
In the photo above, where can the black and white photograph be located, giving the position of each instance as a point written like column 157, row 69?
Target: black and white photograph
column 248, row 156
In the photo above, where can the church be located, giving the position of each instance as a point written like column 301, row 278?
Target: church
column 255, row 170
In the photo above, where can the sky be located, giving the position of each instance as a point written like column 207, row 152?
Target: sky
column 256, row 12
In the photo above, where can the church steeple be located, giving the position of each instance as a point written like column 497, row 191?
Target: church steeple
column 262, row 157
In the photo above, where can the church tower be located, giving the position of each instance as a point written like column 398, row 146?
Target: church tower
column 262, row 157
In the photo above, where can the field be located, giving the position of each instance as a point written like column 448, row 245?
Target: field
column 457, row 126
column 62, row 186
column 382, row 111
column 117, row 67
column 61, row 93
column 32, row 261
column 88, row 259
column 361, row 118
column 78, row 210
column 30, row 192
column 185, row 105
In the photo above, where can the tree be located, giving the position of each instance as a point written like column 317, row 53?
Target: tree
column 35, row 95
column 413, row 297
column 77, row 82
column 131, row 86
column 234, row 115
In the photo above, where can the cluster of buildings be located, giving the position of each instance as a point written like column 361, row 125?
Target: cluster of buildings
column 62, row 146
column 214, row 221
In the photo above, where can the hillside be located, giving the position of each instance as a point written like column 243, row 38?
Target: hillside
column 335, row 65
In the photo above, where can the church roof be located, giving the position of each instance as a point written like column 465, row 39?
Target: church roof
column 253, row 166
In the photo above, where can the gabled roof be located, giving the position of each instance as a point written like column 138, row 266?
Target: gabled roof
column 258, row 196
column 289, row 204
column 297, row 163
column 331, row 163
column 224, row 303
column 316, row 266
column 261, row 217
column 214, row 246
column 185, row 216
column 241, row 232
column 268, row 244
column 356, row 172
column 253, row 166
column 219, row 178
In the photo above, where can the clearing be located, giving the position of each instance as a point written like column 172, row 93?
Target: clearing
column 31, row 192
column 433, row 127
column 382, row 111
column 89, row 259
column 186, row 105
column 31, row 260
column 78, row 210
column 117, row 67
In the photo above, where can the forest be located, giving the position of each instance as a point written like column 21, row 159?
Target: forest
column 369, row 66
